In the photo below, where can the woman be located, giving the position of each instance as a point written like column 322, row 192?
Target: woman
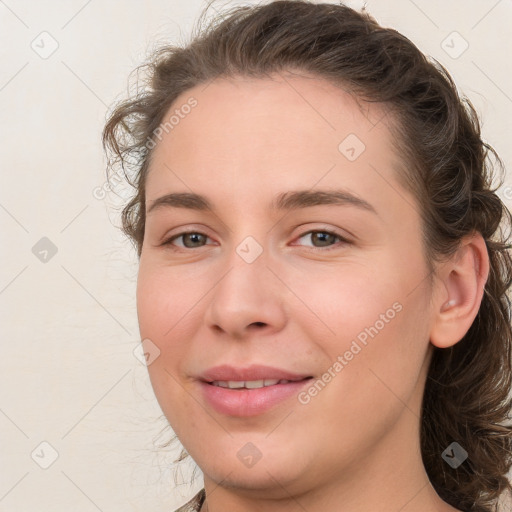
column 322, row 273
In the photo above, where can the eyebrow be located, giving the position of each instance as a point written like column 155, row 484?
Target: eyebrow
column 291, row 200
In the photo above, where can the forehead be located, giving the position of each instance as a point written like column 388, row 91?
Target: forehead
column 281, row 132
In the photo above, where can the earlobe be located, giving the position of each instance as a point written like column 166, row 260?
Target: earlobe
column 460, row 288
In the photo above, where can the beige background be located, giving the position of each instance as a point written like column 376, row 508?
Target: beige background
column 69, row 327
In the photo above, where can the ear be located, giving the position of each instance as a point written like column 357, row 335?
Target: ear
column 459, row 291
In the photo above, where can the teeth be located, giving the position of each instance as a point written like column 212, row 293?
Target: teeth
column 254, row 384
column 248, row 384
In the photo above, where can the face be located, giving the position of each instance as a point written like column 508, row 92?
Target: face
column 320, row 297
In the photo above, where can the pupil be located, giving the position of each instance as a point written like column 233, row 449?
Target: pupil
column 194, row 237
column 324, row 236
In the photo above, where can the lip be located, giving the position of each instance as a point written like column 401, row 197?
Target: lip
column 254, row 372
column 249, row 402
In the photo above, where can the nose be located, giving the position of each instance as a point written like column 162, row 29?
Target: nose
column 248, row 298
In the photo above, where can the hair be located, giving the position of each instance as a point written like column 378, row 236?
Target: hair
column 446, row 165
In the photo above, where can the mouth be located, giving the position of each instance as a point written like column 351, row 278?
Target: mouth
column 251, row 391
column 254, row 375
column 253, row 384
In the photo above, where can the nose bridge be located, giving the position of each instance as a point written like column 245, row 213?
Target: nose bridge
column 248, row 293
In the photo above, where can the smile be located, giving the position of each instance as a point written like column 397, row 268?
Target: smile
column 249, row 384
column 245, row 398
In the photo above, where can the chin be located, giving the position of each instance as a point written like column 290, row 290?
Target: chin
column 268, row 469
column 254, row 481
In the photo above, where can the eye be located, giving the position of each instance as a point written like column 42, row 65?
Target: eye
column 194, row 237
column 325, row 239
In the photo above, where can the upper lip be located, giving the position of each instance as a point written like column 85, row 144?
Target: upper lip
column 254, row 372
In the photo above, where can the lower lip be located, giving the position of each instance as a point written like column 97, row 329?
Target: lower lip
column 249, row 402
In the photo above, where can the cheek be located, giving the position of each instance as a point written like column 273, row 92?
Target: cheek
column 165, row 297
column 376, row 323
column 162, row 308
column 349, row 301
column 371, row 376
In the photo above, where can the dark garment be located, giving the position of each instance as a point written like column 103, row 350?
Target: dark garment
column 195, row 504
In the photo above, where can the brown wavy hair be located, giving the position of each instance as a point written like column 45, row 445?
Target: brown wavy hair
column 448, row 167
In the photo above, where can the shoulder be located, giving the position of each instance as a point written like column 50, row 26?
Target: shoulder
column 194, row 505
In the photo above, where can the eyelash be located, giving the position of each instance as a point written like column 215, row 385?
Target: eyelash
column 342, row 241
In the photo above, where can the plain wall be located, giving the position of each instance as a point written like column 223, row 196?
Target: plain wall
column 68, row 376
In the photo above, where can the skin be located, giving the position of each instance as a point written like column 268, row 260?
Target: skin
column 302, row 302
